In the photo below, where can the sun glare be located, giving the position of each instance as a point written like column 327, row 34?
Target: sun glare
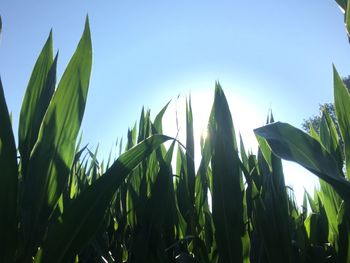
column 245, row 119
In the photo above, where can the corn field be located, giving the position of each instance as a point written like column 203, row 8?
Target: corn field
column 59, row 203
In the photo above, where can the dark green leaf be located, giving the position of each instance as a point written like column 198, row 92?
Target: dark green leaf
column 292, row 144
column 8, row 184
column 347, row 14
column 53, row 153
column 38, row 95
column 329, row 138
column 331, row 203
column 311, row 202
column 227, row 194
column 342, row 4
column 190, row 168
column 81, row 219
column 344, row 234
column 202, row 184
column 159, row 118
column 342, row 110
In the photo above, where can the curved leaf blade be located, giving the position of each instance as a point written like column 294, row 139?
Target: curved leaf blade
column 342, row 110
column 38, row 94
column 81, row 218
column 226, row 180
column 8, row 184
column 53, row 153
column 292, row 144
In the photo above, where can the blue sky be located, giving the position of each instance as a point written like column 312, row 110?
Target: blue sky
column 267, row 54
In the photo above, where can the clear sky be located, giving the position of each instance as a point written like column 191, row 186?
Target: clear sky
column 266, row 54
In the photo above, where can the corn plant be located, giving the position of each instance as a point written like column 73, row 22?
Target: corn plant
column 325, row 156
column 322, row 154
column 59, row 203
column 39, row 221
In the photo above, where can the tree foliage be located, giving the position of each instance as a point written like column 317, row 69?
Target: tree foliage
column 315, row 120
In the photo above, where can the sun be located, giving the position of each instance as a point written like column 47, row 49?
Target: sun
column 174, row 120
column 245, row 118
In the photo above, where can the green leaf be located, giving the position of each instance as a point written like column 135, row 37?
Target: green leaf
column 202, row 184
column 159, row 118
column 182, row 190
column 156, row 232
column 190, row 168
column 82, row 217
column 226, row 175
column 52, row 157
column 347, row 15
column 158, row 126
column 243, row 153
column 265, row 150
column 342, row 110
column 330, row 199
column 8, row 184
column 331, row 203
column 304, row 206
column 344, row 234
column 38, row 95
column 292, row 144
column 342, row 4
column 271, row 214
column 190, row 149
column 314, row 134
column 329, row 138
column 280, row 207
column 311, row 202
column 311, row 227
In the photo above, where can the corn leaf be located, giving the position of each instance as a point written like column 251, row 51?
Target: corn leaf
column 158, row 120
column 329, row 138
column 8, row 184
column 313, row 133
column 347, row 16
column 190, row 151
column 342, row 110
column 344, row 234
column 156, row 232
column 292, row 144
column 311, row 202
column 342, row 4
column 331, row 203
column 38, row 94
column 182, row 190
column 271, row 215
column 81, row 219
column 226, row 175
column 158, row 126
column 189, row 171
column 202, row 184
column 265, row 150
column 53, row 153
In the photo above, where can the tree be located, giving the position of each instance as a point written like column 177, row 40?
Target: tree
column 315, row 120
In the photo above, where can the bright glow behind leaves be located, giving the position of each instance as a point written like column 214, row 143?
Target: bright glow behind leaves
column 245, row 118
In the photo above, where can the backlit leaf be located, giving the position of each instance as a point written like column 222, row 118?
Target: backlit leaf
column 81, row 219
column 227, row 194
column 53, row 153
column 292, row 144
column 8, row 184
